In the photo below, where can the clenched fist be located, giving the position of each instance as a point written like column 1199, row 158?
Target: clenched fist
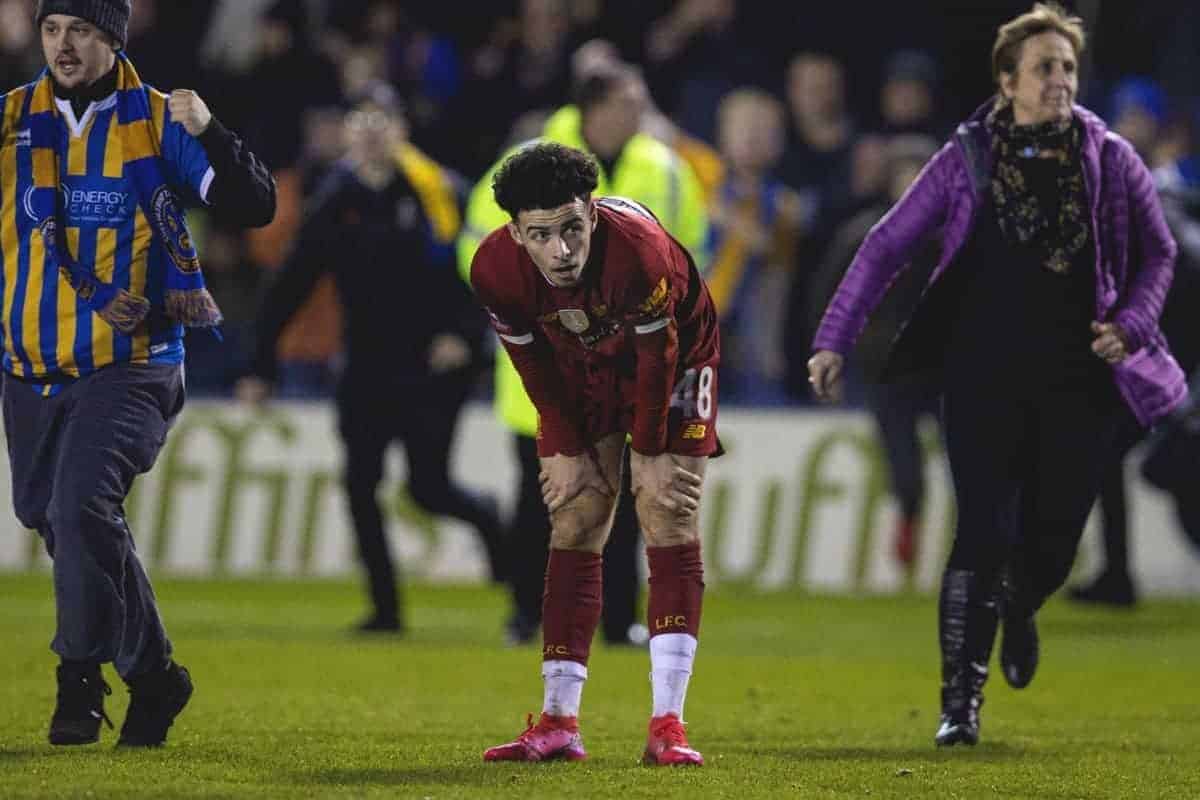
column 1111, row 342
column 189, row 110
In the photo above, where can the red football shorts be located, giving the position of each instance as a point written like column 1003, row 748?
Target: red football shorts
column 609, row 400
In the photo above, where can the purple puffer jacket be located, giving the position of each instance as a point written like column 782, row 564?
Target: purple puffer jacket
column 1135, row 254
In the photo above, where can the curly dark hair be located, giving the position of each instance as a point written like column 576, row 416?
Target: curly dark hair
column 544, row 175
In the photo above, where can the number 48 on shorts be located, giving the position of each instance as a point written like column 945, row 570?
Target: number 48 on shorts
column 691, row 428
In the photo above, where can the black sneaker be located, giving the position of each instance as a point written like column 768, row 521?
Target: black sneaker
column 155, row 699
column 1107, row 590
column 80, row 707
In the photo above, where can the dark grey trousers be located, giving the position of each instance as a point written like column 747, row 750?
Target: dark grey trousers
column 74, row 457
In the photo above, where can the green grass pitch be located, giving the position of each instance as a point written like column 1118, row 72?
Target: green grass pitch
column 793, row 696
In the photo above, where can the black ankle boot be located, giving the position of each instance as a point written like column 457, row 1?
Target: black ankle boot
column 155, row 699
column 80, row 707
column 967, row 622
column 1019, row 645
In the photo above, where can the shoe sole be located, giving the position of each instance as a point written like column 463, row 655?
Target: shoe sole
column 956, row 737
column 71, row 739
column 559, row 756
column 649, row 760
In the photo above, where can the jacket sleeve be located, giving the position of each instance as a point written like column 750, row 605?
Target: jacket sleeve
column 1152, row 259
column 886, row 252
column 295, row 280
column 243, row 189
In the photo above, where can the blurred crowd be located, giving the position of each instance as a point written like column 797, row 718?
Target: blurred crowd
column 801, row 129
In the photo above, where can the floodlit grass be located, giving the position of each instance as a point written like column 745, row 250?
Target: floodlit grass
column 793, row 696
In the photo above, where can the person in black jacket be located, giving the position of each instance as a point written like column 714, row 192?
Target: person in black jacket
column 383, row 222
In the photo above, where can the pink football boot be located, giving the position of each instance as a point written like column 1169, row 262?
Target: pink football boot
column 550, row 738
column 667, row 744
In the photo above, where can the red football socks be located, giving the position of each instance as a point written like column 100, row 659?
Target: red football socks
column 676, row 589
column 571, row 605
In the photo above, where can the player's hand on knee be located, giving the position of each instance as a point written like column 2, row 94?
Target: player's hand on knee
column 565, row 477
column 685, row 491
column 669, row 485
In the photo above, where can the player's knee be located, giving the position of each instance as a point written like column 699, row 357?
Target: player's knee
column 583, row 523
column 664, row 527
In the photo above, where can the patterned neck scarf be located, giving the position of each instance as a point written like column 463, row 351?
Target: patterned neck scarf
column 1021, row 216
column 185, row 298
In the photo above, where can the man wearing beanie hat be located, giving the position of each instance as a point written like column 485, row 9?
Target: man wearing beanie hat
column 110, row 16
column 100, row 278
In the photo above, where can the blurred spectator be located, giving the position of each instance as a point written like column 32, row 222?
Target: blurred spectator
column 696, row 54
column 291, row 71
column 163, row 41
column 755, row 226
column 818, row 163
column 301, row 81
column 705, row 161
column 524, row 65
column 20, row 54
column 424, row 66
column 611, row 102
column 231, row 42
column 897, row 401
column 383, row 224
column 1137, row 113
column 908, row 98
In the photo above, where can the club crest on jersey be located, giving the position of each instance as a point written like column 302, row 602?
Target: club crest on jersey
column 657, row 300
column 574, row 319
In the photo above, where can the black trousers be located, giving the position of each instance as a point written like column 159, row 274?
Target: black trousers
column 372, row 416
column 1027, row 466
column 529, row 540
column 73, row 458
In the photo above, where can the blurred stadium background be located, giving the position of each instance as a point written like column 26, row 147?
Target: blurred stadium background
column 243, row 521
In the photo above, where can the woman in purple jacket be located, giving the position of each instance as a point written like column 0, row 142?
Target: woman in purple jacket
column 1042, row 314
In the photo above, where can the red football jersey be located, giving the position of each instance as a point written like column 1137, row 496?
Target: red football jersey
column 606, row 355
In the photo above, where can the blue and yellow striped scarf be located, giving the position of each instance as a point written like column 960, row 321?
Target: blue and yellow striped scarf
column 185, row 300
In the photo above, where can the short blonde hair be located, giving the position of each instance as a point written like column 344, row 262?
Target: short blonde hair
column 1006, row 52
column 745, row 100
